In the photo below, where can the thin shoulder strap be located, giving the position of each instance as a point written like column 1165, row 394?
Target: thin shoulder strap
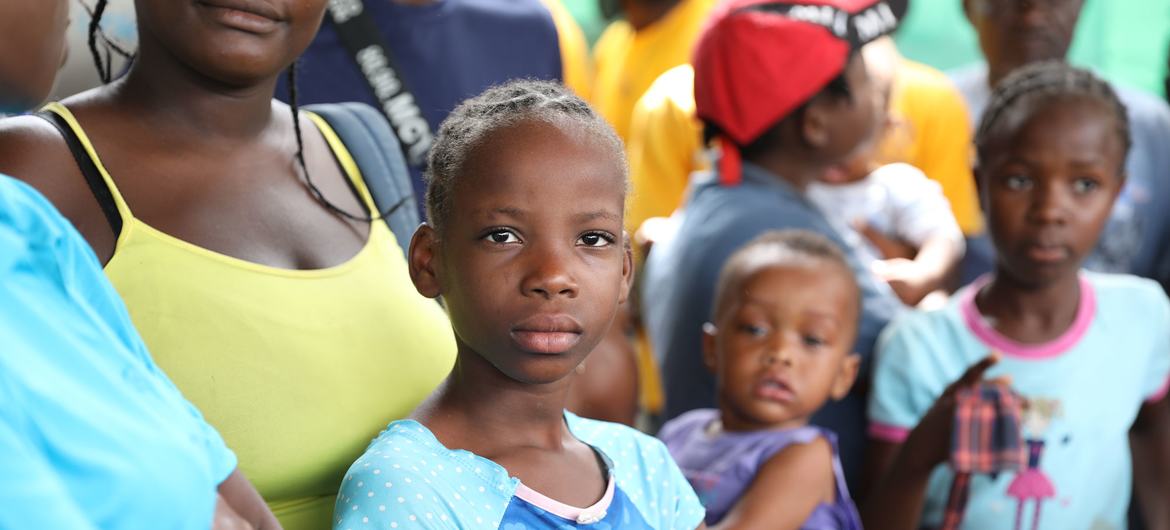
column 345, row 159
column 99, row 182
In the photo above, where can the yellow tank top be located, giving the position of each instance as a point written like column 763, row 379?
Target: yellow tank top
column 298, row 369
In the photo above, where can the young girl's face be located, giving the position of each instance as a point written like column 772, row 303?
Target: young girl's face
column 231, row 41
column 1049, row 185
column 532, row 260
column 781, row 347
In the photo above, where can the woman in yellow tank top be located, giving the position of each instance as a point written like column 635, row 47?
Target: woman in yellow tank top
column 284, row 315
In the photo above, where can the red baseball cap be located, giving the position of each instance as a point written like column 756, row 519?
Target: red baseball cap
column 759, row 60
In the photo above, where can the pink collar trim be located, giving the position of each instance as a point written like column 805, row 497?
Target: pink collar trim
column 987, row 334
column 588, row 515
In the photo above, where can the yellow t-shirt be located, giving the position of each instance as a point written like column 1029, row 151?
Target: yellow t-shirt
column 931, row 134
column 297, row 369
column 665, row 146
column 576, row 65
column 929, row 114
column 628, row 61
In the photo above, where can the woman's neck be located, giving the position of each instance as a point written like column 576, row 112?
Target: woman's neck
column 481, row 409
column 170, row 96
column 1030, row 313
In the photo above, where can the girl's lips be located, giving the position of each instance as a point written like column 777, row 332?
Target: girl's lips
column 546, row 342
column 1047, row 253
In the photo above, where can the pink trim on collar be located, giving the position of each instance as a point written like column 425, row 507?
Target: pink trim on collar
column 588, row 515
column 884, row 432
column 987, row 334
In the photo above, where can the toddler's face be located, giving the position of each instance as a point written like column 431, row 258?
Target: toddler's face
column 1049, row 185
column 781, row 347
column 533, row 261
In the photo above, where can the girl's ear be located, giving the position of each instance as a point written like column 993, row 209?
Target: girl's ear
column 845, row 377
column 424, row 261
column 980, row 189
column 627, row 268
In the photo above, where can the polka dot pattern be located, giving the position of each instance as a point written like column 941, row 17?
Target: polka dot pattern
column 407, row 479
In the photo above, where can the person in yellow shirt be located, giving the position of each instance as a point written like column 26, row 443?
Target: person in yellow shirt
column 653, row 37
column 576, row 65
column 665, row 141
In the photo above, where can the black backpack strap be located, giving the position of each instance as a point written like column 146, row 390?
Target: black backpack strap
column 93, row 177
column 368, row 50
column 375, row 150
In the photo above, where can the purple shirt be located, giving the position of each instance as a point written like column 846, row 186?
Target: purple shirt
column 721, row 466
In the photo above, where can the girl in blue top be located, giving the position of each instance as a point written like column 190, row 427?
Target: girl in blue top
column 1088, row 353
column 525, row 199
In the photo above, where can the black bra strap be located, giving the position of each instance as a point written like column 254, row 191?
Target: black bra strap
column 93, row 177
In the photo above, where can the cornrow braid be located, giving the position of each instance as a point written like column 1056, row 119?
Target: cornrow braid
column 1025, row 90
column 497, row 108
column 104, row 65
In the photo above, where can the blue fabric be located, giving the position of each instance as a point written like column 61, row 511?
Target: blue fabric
column 92, row 434
column 447, row 51
column 407, row 479
column 523, row 515
column 680, row 282
column 1136, row 239
column 1083, row 402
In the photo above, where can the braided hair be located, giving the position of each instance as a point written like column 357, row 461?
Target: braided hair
column 497, row 108
column 1030, row 88
column 102, row 48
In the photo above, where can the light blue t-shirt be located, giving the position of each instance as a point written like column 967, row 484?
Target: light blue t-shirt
column 1082, row 391
column 407, row 479
column 92, row 434
column 1136, row 239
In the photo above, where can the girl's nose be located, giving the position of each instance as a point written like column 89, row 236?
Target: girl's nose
column 550, row 277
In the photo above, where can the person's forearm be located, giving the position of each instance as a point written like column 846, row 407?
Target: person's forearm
column 939, row 256
column 1150, row 443
column 897, row 500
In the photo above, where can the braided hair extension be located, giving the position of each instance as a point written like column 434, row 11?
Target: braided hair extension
column 300, row 159
column 497, row 108
column 104, row 65
column 1027, row 89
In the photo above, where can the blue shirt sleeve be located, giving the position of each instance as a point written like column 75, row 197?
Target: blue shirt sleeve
column 33, row 496
column 1158, row 375
column 903, row 387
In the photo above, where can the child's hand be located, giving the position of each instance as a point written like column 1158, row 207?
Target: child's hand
column 889, row 247
column 909, row 279
column 929, row 443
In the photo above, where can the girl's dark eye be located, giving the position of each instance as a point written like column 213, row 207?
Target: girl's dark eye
column 502, row 237
column 1018, row 182
column 596, row 239
column 1085, row 185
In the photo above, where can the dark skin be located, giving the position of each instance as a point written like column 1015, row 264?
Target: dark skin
column 792, row 323
column 643, row 13
column 38, row 31
column 233, row 188
column 829, row 131
column 1048, row 187
column 541, row 216
column 1013, row 33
